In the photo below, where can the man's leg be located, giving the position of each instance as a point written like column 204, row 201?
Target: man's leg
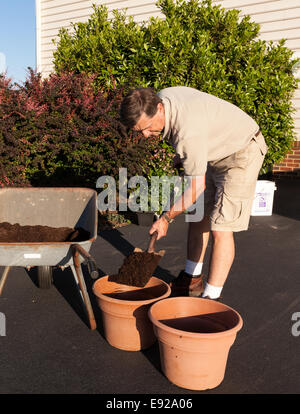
column 190, row 282
column 235, row 178
column 198, row 236
column 221, row 260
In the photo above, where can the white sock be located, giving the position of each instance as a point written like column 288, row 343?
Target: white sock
column 213, row 292
column 193, row 268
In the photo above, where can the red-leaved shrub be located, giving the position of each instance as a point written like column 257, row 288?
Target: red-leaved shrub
column 61, row 131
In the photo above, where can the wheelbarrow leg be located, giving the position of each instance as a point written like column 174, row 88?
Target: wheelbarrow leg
column 78, row 276
column 3, row 278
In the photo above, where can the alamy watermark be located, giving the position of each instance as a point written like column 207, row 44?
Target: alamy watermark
column 2, row 324
column 296, row 325
column 159, row 196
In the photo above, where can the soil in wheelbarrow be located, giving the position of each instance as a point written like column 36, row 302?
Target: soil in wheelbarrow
column 14, row 233
column 136, row 269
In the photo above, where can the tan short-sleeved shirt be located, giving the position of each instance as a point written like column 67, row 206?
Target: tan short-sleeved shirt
column 203, row 128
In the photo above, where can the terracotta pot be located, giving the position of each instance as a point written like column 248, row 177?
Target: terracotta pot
column 125, row 312
column 194, row 336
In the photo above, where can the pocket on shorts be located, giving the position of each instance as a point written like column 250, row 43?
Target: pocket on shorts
column 231, row 203
column 238, row 191
column 228, row 212
column 241, row 158
column 260, row 140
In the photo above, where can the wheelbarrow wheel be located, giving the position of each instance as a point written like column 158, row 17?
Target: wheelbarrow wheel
column 45, row 277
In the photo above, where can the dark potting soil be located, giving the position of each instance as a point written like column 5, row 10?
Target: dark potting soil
column 146, row 293
column 137, row 269
column 14, row 233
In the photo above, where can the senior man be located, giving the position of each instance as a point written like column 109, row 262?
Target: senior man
column 222, row 149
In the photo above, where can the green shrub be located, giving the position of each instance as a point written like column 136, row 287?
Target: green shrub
column 198, row 45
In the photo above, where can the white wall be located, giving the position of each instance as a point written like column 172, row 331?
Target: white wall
column 278, row 19
column 54, row 14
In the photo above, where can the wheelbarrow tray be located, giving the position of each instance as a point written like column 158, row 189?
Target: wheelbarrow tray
column 54, row 207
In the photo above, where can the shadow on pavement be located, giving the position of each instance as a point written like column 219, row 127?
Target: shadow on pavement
column 152, row 354
column 116, row 239
column 65, row 283
column 284, row 204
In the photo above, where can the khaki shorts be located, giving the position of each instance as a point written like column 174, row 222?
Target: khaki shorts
column 230, row 186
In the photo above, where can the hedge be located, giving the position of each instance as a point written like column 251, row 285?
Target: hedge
column 61, row 131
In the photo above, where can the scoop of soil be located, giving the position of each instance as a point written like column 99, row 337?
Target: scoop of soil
column 137, row 269
column 15, row 233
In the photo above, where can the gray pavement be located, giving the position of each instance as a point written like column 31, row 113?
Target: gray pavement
column 49, row 348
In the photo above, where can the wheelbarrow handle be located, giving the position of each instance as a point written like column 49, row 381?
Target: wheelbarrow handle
column 92, row 267
column 91, row 263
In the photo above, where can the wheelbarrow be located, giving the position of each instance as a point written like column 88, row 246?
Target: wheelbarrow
column 54, row 207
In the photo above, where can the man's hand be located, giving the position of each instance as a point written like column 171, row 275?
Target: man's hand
column 161, row 226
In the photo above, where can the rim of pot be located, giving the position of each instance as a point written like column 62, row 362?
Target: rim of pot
column 227, row 332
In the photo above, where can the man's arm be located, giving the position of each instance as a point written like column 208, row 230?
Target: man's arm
column 187, row 199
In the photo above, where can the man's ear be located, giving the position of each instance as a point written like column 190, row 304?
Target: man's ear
column 159, row 106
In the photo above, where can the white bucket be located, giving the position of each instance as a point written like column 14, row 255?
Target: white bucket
column 263, row 199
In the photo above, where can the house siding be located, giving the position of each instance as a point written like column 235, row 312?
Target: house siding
column 278, row 19
column 51, row 15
